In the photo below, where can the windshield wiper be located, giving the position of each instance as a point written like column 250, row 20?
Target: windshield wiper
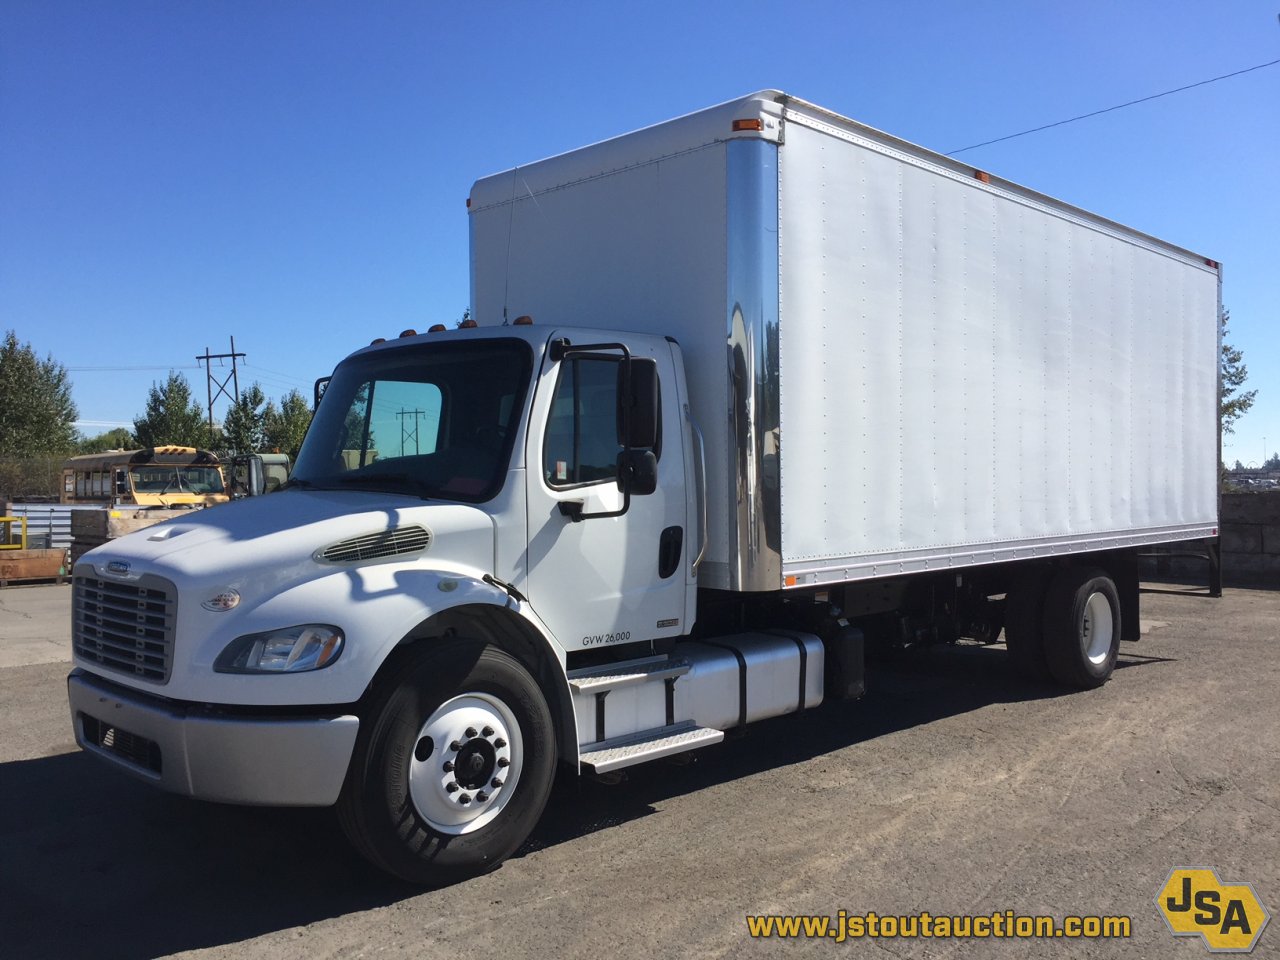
column 297, row 482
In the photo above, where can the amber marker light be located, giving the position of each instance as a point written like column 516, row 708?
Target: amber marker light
column 523, row 321
column 740, row 125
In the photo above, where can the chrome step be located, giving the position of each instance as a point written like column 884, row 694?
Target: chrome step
column 648, row 745
column 614, row 675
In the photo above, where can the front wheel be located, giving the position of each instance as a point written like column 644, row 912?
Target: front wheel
column 1081, row 627
column 453, row 766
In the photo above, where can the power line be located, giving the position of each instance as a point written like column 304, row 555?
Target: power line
column 1119, row 106
column 286, row 376
column 130, row 369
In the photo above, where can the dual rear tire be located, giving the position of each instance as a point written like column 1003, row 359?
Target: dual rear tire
column 1064, row 625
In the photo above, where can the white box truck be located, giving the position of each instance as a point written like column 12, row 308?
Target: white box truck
column 748, row 391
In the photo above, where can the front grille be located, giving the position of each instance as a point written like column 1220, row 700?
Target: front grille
column 374, row 546
column 126, row 627
column 139, row 751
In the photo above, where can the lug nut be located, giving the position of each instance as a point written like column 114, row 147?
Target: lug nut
column 455, row 746
column 499, row 743
column 451, row 787
column 496, row 782
column 465, row 798
column 487, row 732
column 481, row 797
column 448, row 766
column 471, row 732
column 504, row 762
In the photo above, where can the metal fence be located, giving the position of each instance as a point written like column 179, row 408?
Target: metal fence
column 48, row 524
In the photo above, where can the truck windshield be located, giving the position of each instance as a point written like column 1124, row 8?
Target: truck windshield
column 163, row 478
column 432, row 420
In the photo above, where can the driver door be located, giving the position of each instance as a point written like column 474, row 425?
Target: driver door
column 608, row 580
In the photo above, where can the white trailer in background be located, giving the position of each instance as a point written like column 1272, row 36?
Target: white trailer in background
column 791, row 387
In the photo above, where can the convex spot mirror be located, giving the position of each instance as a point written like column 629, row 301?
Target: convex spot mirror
column 637, row 472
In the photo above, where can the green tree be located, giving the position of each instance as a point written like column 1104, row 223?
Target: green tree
column 242, row 429
column 285, row 426
column 1233, row 403
column 117, row 439
column 172, row 417
column 37, row 414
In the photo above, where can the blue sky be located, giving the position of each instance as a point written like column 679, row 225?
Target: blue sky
column 293, row 174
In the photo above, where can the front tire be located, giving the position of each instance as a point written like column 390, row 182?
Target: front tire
column 453, row 766
column 1081, row 627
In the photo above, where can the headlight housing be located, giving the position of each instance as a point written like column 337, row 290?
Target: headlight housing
column 308, row 646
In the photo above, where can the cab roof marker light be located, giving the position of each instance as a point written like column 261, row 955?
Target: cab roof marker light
column 377, row 340
column 436, row 328
column 409, row 333
column 468, row 324
column 523, row 321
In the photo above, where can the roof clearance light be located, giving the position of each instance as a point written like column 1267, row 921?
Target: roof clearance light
column 524, row 321
column 1211, row 263
column 409, row 333
column 467, row 324
column 740, row 125
column 468, row 203
column 982, row 176
column 378, row 340
column 436, row 328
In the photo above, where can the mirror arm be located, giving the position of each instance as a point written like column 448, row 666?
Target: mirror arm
column 573, row 509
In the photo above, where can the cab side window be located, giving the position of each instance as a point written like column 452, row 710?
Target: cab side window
column 582, row 434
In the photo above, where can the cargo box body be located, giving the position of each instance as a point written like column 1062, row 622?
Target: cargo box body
column 898, row 364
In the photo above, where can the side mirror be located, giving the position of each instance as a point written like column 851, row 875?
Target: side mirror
column 320, row 386
column 637, row 472
column 638, row 403
column 256, row 480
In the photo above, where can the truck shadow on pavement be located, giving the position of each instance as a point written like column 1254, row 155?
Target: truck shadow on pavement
column 96, row 865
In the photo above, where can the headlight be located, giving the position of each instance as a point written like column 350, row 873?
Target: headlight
column 308, row 646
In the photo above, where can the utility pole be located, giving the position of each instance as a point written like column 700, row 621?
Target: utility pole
column 408, row 432
column 233, row 378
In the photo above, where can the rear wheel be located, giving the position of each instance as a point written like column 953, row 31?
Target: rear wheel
column 1082, row 627
column 453, row 767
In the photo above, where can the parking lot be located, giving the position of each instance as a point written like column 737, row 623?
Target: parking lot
column 953, row 787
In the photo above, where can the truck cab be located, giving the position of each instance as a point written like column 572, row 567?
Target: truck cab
column 521, row 495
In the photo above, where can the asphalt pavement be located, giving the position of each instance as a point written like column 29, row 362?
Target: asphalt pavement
column 953, row 788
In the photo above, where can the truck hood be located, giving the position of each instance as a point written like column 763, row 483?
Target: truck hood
column 272, row 541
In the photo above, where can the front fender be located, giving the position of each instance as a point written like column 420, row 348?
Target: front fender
column 376, row 606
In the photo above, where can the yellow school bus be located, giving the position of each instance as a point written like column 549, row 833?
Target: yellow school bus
column 152, row 477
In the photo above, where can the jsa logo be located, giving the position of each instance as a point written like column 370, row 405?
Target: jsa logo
column 1229, row 917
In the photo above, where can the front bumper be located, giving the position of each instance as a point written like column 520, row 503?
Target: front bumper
column 199, row 752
